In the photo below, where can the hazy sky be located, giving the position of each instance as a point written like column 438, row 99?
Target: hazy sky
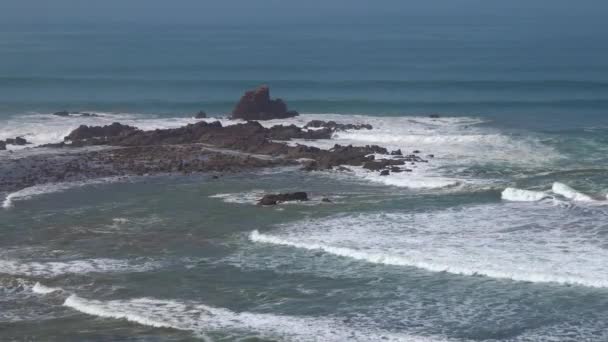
column 285, row 11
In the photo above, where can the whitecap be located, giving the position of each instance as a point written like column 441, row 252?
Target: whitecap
column 520, row 195
column 41, row 289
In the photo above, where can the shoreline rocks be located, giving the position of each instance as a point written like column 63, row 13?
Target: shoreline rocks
column 257, row 105
column 207, row 146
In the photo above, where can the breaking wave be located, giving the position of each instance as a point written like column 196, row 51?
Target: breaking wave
column 202, row 319
column 503, row 241
column 48, row 188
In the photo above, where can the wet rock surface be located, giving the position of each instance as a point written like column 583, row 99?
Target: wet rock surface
column 274, row 199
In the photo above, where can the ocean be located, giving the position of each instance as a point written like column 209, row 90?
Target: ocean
column 503, row 236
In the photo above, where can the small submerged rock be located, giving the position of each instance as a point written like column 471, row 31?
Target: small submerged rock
column 200, row 115
column 274, row 199
column 62, row 113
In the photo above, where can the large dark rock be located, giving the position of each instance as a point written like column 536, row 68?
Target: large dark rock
column 99, row 132
column 2, row 145
column 200, row 115
column 274, row 199
column 257, row 105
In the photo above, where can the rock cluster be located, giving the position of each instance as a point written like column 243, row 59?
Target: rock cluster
column 257, row 105
column 96, row 135
column 19, row 141
column 274, row 199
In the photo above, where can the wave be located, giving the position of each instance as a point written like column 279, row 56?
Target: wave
column 570, row 193
column 559, row 189
column 48, row 188
column 503, row 241
column 202, row 319
column 520, row 195
column 56, row 268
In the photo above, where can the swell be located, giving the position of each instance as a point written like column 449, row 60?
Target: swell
column 298, row 84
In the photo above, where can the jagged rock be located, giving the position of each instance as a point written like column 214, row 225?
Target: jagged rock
column 274, row 199
column 97, row 132
column 257, row 105
column 200, row 115
column 326, row 200
column 385, row 173
column 396, row 153
column 62, row 113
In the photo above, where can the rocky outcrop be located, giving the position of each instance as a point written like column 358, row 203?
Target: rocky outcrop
column 334, row 126
column 257, row 105
column 200, row 115
column 15, row 141
column 99, row 134
column 273, row 199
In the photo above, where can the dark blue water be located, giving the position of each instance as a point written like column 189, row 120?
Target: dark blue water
column 520, row 66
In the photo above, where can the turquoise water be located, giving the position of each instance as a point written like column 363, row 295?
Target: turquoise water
column 501, row 237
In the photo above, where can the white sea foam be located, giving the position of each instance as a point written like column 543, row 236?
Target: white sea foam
column 569, row 193
column 202, row 319
column 520, row 195
column 41, row 289
column 506, row 241
column 48, row 188
column 55, row 268
column 250, row 197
